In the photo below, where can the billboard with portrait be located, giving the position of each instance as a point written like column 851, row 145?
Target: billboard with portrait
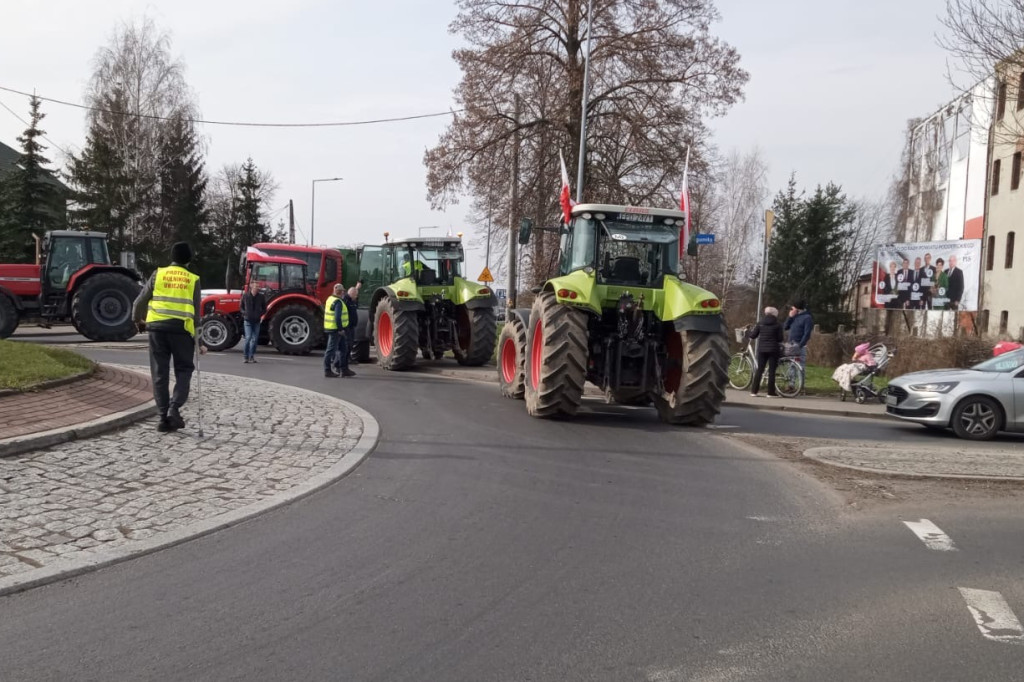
column 927, row 276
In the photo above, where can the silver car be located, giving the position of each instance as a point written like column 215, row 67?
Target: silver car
column 976, row 403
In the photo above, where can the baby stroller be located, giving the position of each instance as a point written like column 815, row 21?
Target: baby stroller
column 863, row 385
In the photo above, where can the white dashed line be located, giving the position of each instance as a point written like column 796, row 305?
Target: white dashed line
column 993, row 615
column 931, row 535
column 722, row 426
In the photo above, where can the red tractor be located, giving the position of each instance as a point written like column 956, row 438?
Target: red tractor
column 293, row 323
column 72, row 280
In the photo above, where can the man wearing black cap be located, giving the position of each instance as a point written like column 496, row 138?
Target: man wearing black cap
column 800, row 325
column 169, row 306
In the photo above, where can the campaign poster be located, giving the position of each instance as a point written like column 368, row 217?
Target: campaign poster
column 927, row 276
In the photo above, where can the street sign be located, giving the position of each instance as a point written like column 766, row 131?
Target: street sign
column 485, row 276
column 705, row 239
column 501, row 294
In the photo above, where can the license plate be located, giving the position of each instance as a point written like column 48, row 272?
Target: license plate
column 891, row 400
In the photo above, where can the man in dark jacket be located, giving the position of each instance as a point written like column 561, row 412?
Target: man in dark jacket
column 800, row 325
column 253, row 307
column 956, row 285
column 169, row 308
column 351, row 301
column 769, row 335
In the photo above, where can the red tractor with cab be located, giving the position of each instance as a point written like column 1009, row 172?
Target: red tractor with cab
column 73, row 280
column 293, row 323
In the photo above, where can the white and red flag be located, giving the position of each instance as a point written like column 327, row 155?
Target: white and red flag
column 564, row 198
column 684, row 206
column 253, row 251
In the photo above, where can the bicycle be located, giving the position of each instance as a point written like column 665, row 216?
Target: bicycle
column 789, row 374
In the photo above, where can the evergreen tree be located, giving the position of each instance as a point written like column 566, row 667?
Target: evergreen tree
column 807, row 251
column 251, row 224
column 31, row 200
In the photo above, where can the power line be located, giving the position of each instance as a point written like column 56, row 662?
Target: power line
column 247, row 124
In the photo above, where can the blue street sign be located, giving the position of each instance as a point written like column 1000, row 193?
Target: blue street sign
column 705, row 239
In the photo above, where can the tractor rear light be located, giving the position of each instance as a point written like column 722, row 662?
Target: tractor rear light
column 402, row 294
column 710, row 303
column 485, row 290
column 565, row 293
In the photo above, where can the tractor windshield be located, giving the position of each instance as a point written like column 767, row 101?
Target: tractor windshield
column 432, row 265
column 274, row 278
column 629, row 249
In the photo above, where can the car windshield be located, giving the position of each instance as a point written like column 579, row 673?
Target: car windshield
column 1007, row 362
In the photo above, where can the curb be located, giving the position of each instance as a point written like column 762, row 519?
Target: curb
column 52, row 383
column 812, row 455
column 59, row 571
column 492, row 378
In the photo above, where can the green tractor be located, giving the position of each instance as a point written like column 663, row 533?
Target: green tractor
column 619, row 316
column 414, row 299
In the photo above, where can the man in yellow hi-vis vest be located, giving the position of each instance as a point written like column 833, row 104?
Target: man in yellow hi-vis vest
column 169, row 306
column 335, row 321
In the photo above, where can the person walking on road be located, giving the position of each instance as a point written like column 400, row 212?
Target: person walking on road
column 169, row 308
column 351, row 301
column 769, row 335
column 253, row 307
column 335, row 322
column 800, row 325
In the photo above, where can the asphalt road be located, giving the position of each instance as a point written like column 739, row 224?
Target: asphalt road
column 477, row 544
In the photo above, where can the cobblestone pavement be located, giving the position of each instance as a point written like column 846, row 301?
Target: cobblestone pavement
column 78, row 499
column 947, row 461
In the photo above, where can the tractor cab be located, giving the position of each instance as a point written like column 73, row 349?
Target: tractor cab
column 66, row 252
column 626, row 246
column 429, row 262
column 277, row 275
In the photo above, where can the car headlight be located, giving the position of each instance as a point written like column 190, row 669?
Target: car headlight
column 936, row 387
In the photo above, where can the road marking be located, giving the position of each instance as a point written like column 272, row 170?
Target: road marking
column 931, row 535
column 766, row 519
column 993, row 615
column 722, row 426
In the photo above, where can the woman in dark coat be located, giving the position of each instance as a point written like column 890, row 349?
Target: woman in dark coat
column 769, row 335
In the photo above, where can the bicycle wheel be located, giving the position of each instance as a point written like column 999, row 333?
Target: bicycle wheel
column 741, row 372
column 789, row 378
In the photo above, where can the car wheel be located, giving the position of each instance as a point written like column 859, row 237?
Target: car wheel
column 977, row 418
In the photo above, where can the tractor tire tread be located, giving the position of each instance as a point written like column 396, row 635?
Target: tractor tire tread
column 8, row 317
column 563, row 369
column 483, row 325
column 405, row 330
column 701, row 392
column 81, row 311
column 513, row 330
column 274, row 329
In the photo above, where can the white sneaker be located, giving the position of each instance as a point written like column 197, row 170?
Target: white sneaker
column 769, row 395
column 754, row 395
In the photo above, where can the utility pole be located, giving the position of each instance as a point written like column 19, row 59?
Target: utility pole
column 586, row 93
column 291, row 222
column 769, row 218
column 513, row 210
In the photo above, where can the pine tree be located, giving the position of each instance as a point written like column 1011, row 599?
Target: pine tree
column 32, row 201
column 251, row 225
column 807, row 251
column 183, row 210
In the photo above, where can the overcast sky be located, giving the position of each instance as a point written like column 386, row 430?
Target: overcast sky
column 832, row 85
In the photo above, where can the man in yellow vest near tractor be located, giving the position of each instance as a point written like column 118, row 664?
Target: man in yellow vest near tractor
column 335, row 321
column 169, row 305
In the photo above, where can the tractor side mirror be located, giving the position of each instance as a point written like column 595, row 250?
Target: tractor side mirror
column 525, row 228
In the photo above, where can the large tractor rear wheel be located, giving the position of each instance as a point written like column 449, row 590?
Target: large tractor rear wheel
column 477, row 330
column 8, row 317
column 397, row 335
column 512, row 358
column 102, row 307
column 556, row 358
column 293, row 329
column 694, row 377
column 219, row 332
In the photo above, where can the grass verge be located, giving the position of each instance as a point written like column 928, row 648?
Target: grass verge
column 23, row 365
column 818, row 381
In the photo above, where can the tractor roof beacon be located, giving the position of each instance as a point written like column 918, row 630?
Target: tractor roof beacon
column 415, row 299
column 618, row 315
column 73, row 280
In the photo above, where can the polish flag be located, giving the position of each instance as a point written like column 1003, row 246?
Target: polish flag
column 253, row 251
column 564, row 199
column 684, row 206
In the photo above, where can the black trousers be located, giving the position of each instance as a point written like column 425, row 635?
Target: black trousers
column 163, row 347
column 772, row 361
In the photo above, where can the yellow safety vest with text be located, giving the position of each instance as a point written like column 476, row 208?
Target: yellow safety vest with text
column 407, row 267
column 330, row 324
column 174, row 290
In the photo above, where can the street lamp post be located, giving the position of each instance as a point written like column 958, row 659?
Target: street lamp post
column 312, row 206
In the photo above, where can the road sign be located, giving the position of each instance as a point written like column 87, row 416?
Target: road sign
column 485, row 276
column 705, row 239
column 501, row 294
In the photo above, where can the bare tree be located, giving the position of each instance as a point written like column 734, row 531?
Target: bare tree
column 135, row 89
column 657, row 73
column 872, row 225
column 737, row 195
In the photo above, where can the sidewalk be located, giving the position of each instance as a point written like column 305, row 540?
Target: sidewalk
column 109, row 399
column 76, row 506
